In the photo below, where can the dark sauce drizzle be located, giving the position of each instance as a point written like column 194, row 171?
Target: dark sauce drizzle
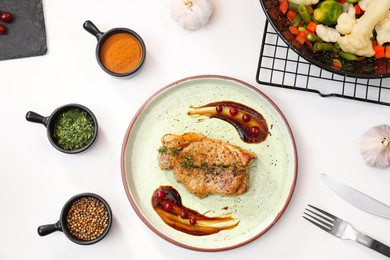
column 167, row 203
column 250, row 124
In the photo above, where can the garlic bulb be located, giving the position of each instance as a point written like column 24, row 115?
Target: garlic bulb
column 191, row 14
column 375, row 146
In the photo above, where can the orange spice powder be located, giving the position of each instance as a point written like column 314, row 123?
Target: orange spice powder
column 121, row 53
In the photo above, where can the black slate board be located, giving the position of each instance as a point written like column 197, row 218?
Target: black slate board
column 26, row 34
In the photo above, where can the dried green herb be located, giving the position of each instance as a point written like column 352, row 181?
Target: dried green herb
column 211, row 168
column 73, row 129
column 162, row 150
column 188, row 162
column 173, row 151
column 208, row 168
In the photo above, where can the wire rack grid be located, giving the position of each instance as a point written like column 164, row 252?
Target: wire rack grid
column 281, row 66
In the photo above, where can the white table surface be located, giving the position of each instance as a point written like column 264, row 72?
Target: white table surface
column 36, row 180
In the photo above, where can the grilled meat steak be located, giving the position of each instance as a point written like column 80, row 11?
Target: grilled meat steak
column 205, row 165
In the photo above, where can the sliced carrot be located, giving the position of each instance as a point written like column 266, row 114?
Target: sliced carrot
column 291, row 14
column 358, row 10
column 311, row 27
column 301, row 38
column 293, row 30
column 283, row 6
column 374, row 43
column 387, row 52
column 379, row 51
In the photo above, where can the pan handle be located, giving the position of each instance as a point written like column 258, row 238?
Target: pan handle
column 37, row 118
column 50, row 228
column 92, row 29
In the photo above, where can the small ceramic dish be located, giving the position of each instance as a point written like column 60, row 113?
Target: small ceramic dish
column 120, row 52
column 50, row 122
column 91, row 201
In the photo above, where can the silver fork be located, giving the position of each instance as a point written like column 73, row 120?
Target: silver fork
column 342, row 229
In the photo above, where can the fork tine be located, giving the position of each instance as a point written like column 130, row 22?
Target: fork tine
column 321, row 216
column 323, row 212
column 319, row 219
column 318, row 225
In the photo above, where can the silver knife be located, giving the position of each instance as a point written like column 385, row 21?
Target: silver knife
column 357, row 198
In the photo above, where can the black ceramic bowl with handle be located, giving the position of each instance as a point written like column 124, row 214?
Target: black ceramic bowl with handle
column 103, row 36
column 367, row 68
column 62, row 223
column 50, row 121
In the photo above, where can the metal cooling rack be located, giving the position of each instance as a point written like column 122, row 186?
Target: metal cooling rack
column 280, row 66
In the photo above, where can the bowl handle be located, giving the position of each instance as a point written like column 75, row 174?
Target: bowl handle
column 92, row 29
column 37, row 118
column 48, row 229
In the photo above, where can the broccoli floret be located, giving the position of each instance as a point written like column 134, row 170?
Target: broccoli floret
column 327, row 12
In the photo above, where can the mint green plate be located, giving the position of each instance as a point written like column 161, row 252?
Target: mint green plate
column 272, row 180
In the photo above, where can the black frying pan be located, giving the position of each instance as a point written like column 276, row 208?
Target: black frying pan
column 368, row 68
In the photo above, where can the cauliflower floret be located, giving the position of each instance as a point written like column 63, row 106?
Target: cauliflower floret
column 383, row 30
column 351, row 11
column 304, row 2
column 346, row 21
column 364, row 4
column 358, row 41
column 327, row 34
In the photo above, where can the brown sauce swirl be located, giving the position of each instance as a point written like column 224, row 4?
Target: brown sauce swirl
column 250, row 124
column 167, row 203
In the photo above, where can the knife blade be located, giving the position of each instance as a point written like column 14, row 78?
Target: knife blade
column 357, row 198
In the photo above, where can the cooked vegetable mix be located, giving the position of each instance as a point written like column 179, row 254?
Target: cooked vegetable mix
column 350, row 29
